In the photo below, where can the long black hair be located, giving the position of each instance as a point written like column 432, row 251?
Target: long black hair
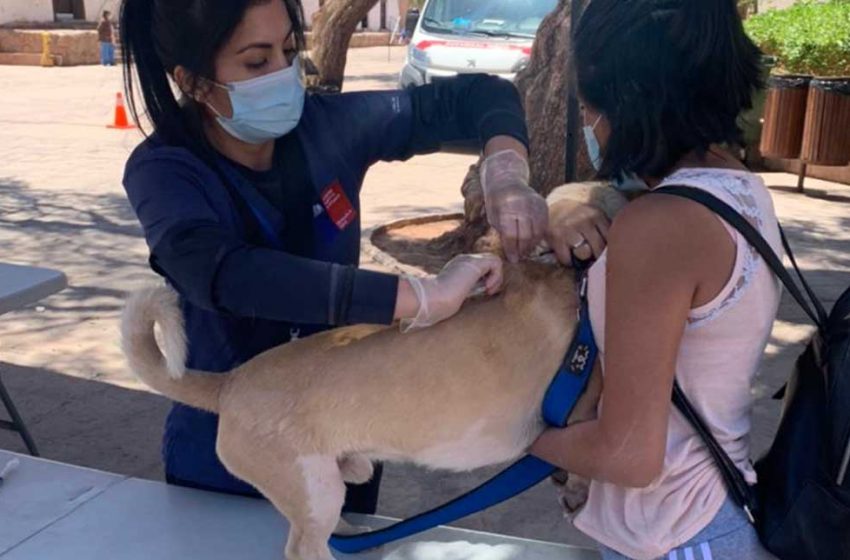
column 671, row 77
column 159, row 35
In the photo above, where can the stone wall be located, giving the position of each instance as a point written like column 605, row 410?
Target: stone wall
column 77, row 47
column 70, row 48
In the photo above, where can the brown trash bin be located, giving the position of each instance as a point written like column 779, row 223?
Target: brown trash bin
column 826, row 138
column 784, row 116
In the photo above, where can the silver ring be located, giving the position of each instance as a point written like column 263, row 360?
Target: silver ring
column 580, row 244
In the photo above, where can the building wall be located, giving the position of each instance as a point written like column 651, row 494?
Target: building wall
column 312, row 6
column 26, row 10
column 95, row 7
column 42, row 11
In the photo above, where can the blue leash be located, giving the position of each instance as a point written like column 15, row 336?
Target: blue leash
column 568, row 385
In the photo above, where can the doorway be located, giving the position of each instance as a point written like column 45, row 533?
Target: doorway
column 69, row 10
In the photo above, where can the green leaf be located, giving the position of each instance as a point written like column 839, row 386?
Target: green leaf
column 808, row 38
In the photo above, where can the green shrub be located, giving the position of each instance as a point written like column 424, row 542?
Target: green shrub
column 807, row 38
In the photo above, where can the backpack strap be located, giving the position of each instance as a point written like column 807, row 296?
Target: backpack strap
column 742, row 493
column 821, row 312
column 814, row 310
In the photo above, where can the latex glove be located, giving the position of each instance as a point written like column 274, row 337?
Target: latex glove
column 442, row 296
column 514, row 209
column 576, row 228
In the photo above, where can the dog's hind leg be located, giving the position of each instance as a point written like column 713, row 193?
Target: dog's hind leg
column 307, row 490
column 356, row 469
column 325, row 494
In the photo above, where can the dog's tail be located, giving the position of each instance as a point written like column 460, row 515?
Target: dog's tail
column 164, row 373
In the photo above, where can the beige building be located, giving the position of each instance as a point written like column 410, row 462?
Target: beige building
column 39, row 11
column 384, row 15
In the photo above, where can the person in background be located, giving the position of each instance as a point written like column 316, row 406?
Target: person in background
column 106, row 38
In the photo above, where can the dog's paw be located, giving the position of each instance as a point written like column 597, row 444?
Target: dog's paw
column 356, row 469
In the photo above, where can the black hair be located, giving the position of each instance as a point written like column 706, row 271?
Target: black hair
column 671, row 77
column 159, row 35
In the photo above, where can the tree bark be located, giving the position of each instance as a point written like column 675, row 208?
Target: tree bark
column 333, row 26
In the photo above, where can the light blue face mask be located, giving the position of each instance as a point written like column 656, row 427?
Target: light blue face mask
column 592, row 143
column 264, row 108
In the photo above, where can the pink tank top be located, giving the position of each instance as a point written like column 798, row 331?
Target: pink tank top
column 719, row 356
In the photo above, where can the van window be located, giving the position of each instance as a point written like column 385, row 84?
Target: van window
column 498, row 18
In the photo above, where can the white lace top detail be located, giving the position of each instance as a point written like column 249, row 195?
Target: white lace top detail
column 736, row 189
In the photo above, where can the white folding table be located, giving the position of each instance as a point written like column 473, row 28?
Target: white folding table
column 51, row 511
column 21, row 286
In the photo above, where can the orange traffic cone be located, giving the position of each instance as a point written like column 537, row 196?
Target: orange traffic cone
column 121, row 121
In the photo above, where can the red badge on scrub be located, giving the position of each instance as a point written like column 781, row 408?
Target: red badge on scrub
column 338, row 206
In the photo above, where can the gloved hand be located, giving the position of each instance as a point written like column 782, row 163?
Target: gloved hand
column 514, row 209
column 441, row 296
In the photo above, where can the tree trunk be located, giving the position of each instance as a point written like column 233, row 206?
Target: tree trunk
column 544, row 88
column 333, row 26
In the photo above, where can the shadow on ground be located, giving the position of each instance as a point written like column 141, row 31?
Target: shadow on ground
column 96, row 241
column 86, row 423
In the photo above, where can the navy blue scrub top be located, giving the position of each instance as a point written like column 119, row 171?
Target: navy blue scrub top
column 242, row 293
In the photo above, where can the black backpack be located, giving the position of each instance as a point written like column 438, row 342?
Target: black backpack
column 801, row 505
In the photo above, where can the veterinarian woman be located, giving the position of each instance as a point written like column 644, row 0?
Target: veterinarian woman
column 248, row 193
column 677, row 293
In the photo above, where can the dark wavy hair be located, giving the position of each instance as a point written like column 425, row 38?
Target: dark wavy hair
column 159, row 35
column 671, row 77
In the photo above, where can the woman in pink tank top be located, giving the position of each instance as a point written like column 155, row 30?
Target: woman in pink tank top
column 675, row 293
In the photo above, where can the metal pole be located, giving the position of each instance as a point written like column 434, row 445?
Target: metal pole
column 572, row 107
column 802, row 177
column 17, row 423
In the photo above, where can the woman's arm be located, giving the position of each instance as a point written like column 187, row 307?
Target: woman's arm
column 396, row 125
column 658, row 269
column 215, row 269
column 468, row 107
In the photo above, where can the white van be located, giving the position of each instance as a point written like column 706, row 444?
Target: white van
column 468, row 36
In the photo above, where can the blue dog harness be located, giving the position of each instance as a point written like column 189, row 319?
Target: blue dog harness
column 568, row 385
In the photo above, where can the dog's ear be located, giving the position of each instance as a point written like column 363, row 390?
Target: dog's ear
column 490, row 242
column 595, row 193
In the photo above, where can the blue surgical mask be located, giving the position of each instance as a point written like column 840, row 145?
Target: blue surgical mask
column 593, row 150
column 264, row 108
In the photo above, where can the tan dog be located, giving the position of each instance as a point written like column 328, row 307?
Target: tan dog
column 300, row 420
